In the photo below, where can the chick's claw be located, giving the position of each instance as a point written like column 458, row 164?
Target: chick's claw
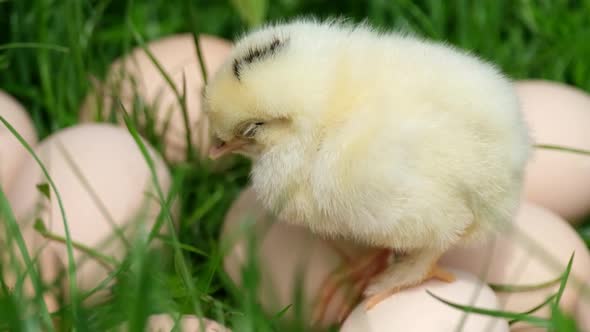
column 353, row 274
column 377, row 298
column 438, row 273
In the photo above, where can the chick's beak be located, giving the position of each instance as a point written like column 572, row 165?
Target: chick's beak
column 224, row 148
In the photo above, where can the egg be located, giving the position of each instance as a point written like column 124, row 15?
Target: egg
column 536, row 250
column 12, row 153
column 136, row 74
column 557, row 114
column 285, row 254
column 583, row 312
column 414, row 309
column 103, row 180
column 186, row 323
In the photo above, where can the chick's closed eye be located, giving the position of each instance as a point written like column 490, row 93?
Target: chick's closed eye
column 244, row 135
column 248, row 129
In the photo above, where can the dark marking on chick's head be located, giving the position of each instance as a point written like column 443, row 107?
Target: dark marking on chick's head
column 257, row 53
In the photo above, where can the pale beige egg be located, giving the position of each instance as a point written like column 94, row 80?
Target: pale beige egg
column 521, row 327
column 583, row 311
column 414, row 310
column 136, row 75
column 184, row 323
column 12, row 153
column 286, row 254
column 536, row 250
column 557, row 114
column 104, row 183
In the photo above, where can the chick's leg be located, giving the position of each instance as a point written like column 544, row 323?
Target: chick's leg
column 354, row 275
column 408, row 271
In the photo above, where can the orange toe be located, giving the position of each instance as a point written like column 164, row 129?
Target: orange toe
column 441, row 274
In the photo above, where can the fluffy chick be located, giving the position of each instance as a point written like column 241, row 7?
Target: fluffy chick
column 383, row 138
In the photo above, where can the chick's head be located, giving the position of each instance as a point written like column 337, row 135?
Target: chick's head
column 264, row 94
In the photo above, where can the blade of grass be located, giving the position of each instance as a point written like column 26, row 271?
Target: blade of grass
column 187, row 125
column 180, row 97
column 124, row 267
column 52, row 47
column 252, row 12
column 44, row 65
column 76, row 35
column 420, row 17
column 537, row 321
column 562, row 148
column 176, row 182
column 106, row 261
column 70, row 251
column 205, row 207
column 537, row 250
column 14, row 305
column 192, row 19
column 562, row 322
column 184, row 246
column 43, row 188
column 10, row 307
column 93, row 195
column 534, row 309
column 505, row 288
column 214, row 263
column 138, row 307
column 168, row 216
column 564, row 280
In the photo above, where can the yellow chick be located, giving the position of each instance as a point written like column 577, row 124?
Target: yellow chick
column 384, row 138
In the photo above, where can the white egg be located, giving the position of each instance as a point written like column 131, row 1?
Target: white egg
column 535, row 251
column 12, row 153
column 285, row 254
column 104, row 182
column 415, row 310
column 136, row 74
column 557, row 114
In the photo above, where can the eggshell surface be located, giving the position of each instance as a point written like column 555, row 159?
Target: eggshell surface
column 414, row 309
column 12, row 153
column 557, row 114
column 536, row 250
column 104, row 182
column 135, row 74
column 583, row 312
column 188, row 323
column 285, row 254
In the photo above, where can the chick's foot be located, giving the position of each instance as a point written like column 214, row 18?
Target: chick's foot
column 435, row 272
column 355, row 275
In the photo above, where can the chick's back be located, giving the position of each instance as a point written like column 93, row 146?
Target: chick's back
column 421, row 145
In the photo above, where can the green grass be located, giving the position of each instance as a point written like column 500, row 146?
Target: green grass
column 50, row 49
